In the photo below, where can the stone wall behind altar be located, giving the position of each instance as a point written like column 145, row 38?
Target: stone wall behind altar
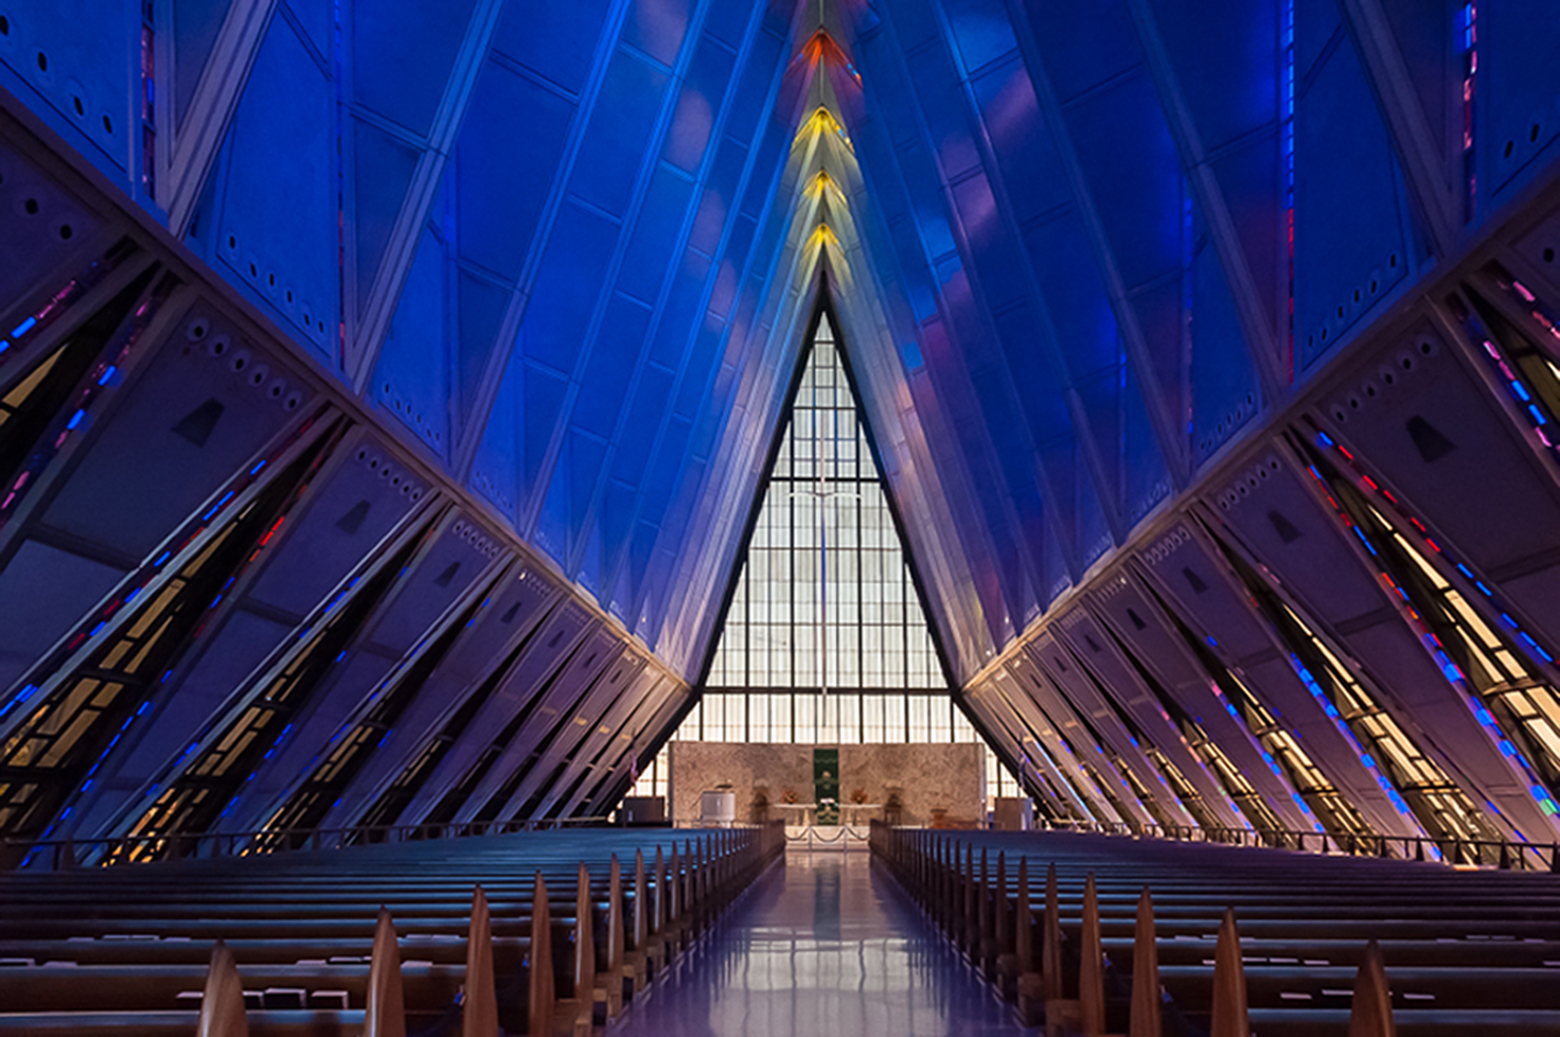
column 928, row 776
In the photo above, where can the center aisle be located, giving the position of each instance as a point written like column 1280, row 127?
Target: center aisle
column 826, row 946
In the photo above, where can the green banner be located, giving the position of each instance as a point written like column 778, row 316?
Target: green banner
column 826, row 785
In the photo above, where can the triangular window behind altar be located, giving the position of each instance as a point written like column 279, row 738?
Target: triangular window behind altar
column 825, row 641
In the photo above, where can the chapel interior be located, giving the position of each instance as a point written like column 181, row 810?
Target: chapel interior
column 780, row 518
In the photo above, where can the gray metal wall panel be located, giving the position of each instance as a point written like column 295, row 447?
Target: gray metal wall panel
column 1048, row 755
column 1094, row 646
column 562, row 697
column 1184, row 568
column 44, row 591
column 361, row 501
column 1057, row 698
column 242, row 635
column 37, row 259
column 1273, row 513
column 1055, row 756
column 298, row 751
column 524, row 599
column 1328, row 574
column 641, row 733
column 1141, row 624
column 462, row 553
column 1539, row 248
column 560, row 632
column 1237, row 635
column 1064, row 672
column 650, row 693
column 1485, row 493
column 434, row 584
column 243, row 643
column 559, row 763
column 603, row 737
column 580, row 741
column 145, row 470
column 117, row 493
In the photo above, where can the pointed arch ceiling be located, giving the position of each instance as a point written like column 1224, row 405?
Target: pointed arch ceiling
column 569, row 250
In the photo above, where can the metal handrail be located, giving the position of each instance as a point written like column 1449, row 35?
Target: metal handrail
column 62, row 854
column 1497, row 853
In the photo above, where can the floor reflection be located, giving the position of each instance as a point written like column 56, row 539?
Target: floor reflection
column 827, row 946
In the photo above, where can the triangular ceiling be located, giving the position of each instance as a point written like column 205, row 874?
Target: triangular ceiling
column 1087, row 258
column 571, row 248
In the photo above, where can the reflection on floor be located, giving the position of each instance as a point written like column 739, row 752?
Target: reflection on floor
column 827, row 946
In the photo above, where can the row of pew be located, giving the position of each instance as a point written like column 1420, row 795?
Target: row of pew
column 1100, row 935
column 541, row 933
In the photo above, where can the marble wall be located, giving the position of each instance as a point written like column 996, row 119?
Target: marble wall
column 927, row 776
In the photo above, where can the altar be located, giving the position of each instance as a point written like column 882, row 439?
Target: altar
column 844, row 786
column 796, row 815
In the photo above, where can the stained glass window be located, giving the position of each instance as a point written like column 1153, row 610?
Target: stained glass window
column 825, row 640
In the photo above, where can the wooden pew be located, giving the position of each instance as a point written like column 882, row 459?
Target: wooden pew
column 1156, row 923
column 298, row 918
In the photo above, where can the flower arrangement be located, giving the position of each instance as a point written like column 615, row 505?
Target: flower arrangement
column 858, row 795
column 788, row 795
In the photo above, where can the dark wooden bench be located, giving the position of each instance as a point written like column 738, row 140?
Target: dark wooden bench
column 441, row 935
column 1116, row 929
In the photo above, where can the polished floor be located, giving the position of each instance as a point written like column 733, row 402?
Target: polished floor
column 826, row 946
